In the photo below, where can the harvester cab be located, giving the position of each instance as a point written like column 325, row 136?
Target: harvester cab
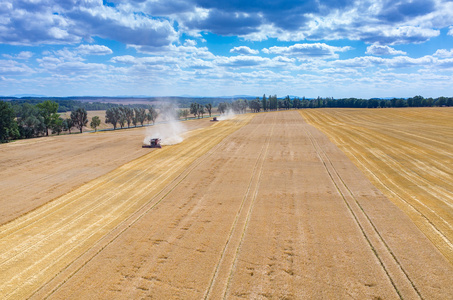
column 153, row 143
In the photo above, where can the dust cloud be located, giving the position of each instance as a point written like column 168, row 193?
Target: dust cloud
column 229, row 114
column 170, row 130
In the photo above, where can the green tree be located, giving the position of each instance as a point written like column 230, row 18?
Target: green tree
column 48, row 110
column 222, row 107
column 152, row 114
column 30, row 121
column 95, row 122
column 68, row 124
column 140, row 114
column 264, row 103
column 185, row 113
column 8, row 124
column 129, row 114
column 201, row 110
column 79, row 117
column 112, row 116
column 209, row 108
column 57, row 126
column 195, row 109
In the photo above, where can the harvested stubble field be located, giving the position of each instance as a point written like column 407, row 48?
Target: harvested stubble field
column 407, row 154
column 260, row 206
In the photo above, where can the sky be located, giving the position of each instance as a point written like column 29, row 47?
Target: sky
column 326, row 48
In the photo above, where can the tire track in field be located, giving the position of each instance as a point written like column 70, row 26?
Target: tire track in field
column 219, row 284
column 15, row 283
column 72, row 269
column 427, row 211
column 398, row 277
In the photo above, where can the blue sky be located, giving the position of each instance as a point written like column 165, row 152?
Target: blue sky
column 327, row 48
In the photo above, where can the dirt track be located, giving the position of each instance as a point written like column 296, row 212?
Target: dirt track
column 249, row 208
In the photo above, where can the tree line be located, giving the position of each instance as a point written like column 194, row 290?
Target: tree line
column 272, row 102
column 29, row 120
column 123, row 115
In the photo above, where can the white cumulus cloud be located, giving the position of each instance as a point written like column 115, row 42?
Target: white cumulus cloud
column 383, row 50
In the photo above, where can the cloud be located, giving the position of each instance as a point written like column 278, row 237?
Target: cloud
column 383, row 50
column 22, row 55
column 443, row 53
column 395, row 11
column 241, row 61
column 316, row 50
column 11, row 67
column 94, row 50
column 244, row 50
column 63, row 22
column 400, row 35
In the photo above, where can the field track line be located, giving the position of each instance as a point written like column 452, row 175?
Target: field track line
column 431, row 221
column 55, row 283
column 87, row 229
column 398, row 277
column 219, row 284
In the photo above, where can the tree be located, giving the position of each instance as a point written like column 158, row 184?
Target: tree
column 79, row 117
column 30, row 121
column 195, row 109
column 184, row 113
column 57, row 126
column 255, row 105
column 152, row 114
column 112, row 116
column 264, row 103
column 222, row 107
column 209, row 108
column 129, row 115
column 140, row 114
column 48, row 110
column 122, row 120
column 8, row 124
column 95, row 122
column 68, row 124
column 201, row 111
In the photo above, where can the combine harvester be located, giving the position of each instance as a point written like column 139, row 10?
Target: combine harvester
column 153, row 143
column 214, row 119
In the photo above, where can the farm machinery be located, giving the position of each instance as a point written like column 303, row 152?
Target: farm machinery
column 214, row 119
column 153, row 143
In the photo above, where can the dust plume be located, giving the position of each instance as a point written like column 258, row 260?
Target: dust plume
column 169, row 129
column 229, row 114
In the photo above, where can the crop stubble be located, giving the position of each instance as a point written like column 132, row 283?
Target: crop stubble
column 406, row 153
column 274, row 210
